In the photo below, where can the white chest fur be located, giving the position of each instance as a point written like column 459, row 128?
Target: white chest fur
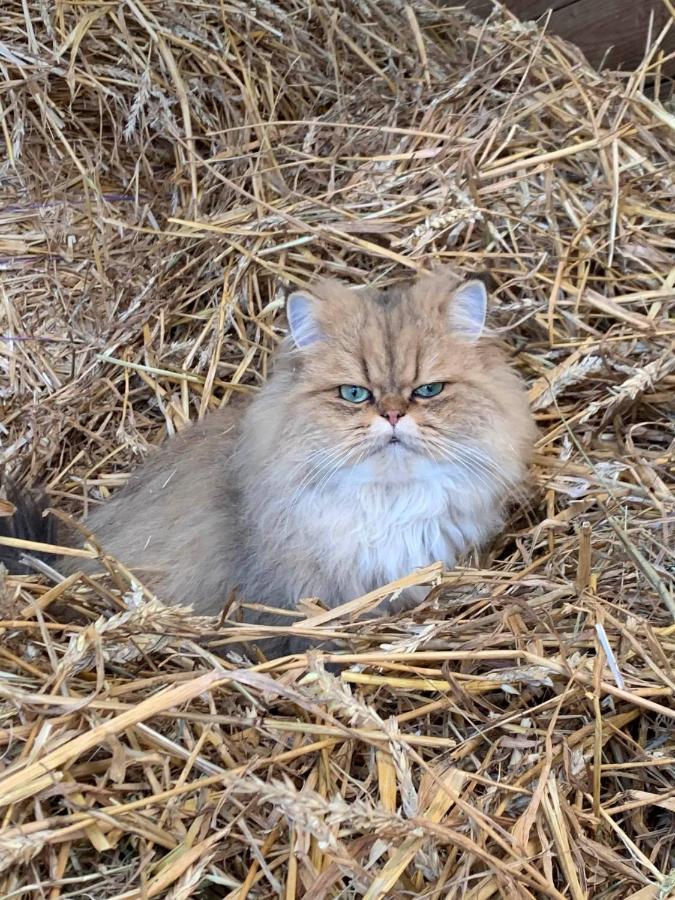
column 365, row 534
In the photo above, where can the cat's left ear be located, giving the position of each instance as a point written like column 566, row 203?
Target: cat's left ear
column 468, row 310
column 302, row 321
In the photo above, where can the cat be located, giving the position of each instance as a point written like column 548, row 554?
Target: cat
column 390, row 435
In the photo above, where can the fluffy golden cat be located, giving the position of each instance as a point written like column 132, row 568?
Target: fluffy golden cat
column 390, row 435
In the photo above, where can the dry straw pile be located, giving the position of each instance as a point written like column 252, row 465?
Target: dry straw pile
column 167, row 169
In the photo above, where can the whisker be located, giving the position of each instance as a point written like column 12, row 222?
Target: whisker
column 320, row 474
column 479, row 464
column 472, row 460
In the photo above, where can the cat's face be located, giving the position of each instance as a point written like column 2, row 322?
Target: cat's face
column 385, row 387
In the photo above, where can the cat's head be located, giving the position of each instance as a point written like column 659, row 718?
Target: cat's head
column 385, row 386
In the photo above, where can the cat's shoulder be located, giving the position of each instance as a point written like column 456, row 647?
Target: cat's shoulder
column 199, row 443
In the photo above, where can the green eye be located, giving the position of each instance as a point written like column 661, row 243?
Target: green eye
column 354, row 394
column 429, row 390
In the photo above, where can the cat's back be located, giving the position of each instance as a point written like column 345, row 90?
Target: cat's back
column 171, row 524
column 196, row 454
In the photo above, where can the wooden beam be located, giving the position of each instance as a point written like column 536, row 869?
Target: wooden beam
column 611, row 30
column 622, row 25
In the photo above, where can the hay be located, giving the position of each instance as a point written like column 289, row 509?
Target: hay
column 168, row 169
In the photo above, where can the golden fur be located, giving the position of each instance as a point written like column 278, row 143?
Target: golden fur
column 304, row 494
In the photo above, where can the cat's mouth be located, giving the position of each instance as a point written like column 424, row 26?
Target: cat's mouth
column 393, row 444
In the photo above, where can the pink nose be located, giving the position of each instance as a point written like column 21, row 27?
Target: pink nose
column 392, row 416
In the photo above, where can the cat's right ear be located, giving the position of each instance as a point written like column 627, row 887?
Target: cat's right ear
column 302, row 322
column 469, row 308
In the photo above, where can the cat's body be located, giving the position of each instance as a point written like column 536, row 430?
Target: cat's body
column 195, row 521
column 318, row 491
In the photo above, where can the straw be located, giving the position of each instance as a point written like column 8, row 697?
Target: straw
column 168, row 171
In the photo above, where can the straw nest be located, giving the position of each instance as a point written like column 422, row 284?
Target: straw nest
column 168, row 170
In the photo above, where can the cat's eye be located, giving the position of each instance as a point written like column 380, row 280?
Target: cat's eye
column 354, row 394
column 425, row 391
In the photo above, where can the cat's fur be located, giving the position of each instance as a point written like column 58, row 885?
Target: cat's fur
column 302, row 494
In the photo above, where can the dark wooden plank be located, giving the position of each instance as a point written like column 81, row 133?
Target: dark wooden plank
column 622, row 25
column 524, row 9
column 532, row 9
column 611, row 30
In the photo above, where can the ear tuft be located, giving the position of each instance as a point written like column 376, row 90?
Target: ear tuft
column 468, row 310
column 302, row 323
